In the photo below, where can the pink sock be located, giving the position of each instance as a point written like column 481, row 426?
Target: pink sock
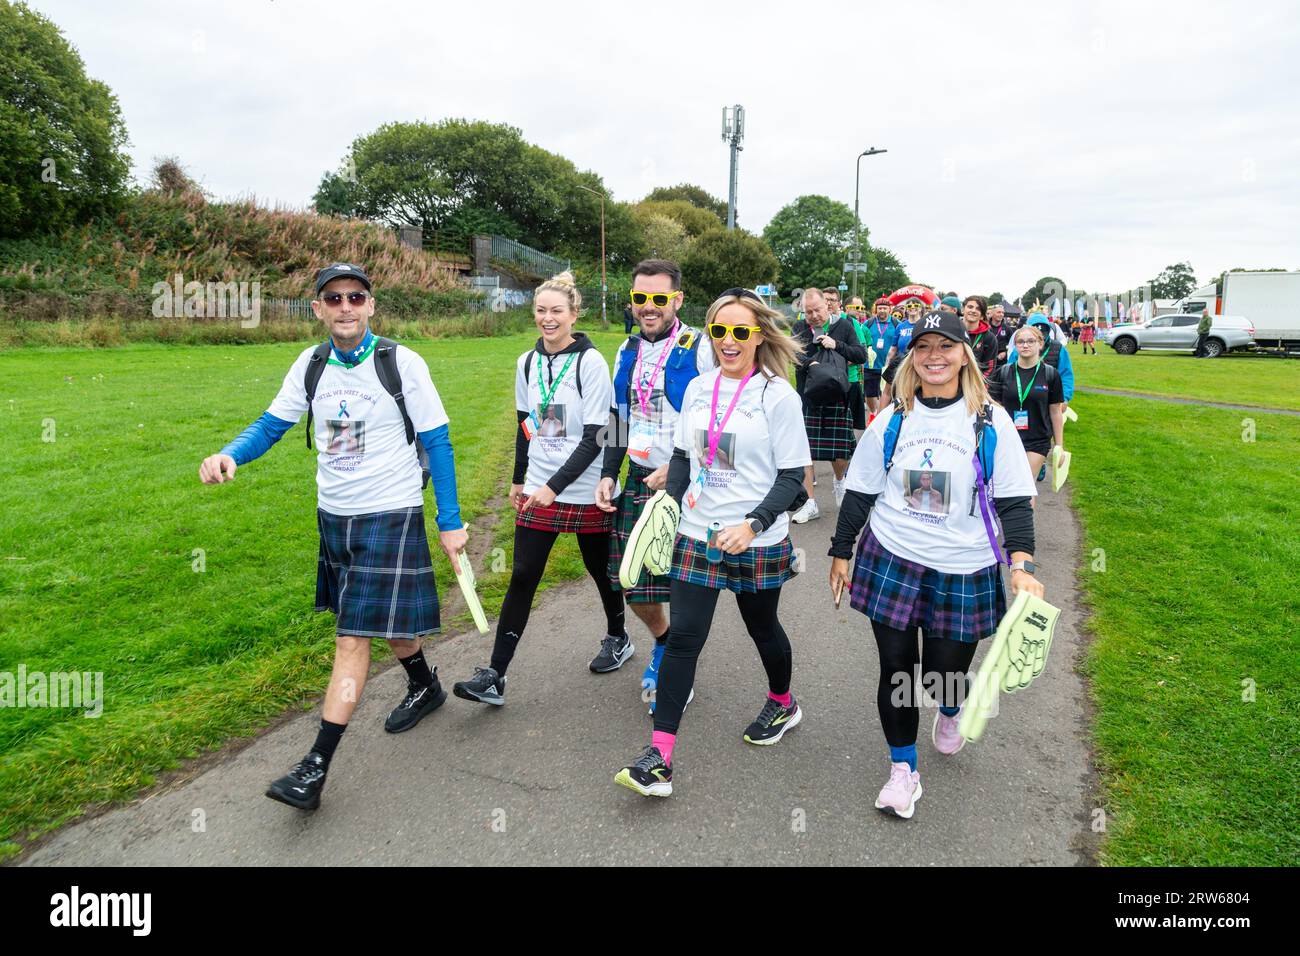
column 782, row 699
column 664, row 742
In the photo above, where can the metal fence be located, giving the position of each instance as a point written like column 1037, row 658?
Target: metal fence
column 527, row 258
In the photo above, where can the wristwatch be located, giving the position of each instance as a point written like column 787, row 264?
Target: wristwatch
column 1027, row 566
column 755, row 525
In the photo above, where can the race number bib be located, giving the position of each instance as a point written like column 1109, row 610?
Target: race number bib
column 696, row 490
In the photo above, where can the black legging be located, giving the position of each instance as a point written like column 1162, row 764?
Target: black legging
column 943, row 664
column 691, row 609
column 532, row 548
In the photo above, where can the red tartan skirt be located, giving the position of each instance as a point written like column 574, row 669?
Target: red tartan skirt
column 564, row 518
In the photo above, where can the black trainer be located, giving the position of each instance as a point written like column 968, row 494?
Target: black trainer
column 649, row 776
column 419, row 702
column 772, row 722
column 614, row 652
column 302, row 785
column 486, row 687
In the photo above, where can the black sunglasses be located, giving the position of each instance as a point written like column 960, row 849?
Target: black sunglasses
column 336, row 298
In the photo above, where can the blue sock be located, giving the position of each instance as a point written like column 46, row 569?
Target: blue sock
column 949, row 711
column 905, row 755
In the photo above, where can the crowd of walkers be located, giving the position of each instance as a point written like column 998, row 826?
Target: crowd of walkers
column 917, row 405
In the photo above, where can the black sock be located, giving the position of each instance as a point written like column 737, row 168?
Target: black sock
column 327, row 739
column 503, row 651
column 417, row 668
column 662, row 639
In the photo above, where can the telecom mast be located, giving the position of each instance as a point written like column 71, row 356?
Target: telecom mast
column 733, row 133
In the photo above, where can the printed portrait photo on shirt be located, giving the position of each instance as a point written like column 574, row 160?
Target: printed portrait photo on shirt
column 552, row 421
column 725, row 459
column 345, row 437
column 926, row 490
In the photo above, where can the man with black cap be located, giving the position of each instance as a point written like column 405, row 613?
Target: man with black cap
column 377, row 419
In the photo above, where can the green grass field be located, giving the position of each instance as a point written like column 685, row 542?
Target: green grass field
column 1195, row 610
column 103, row 526
column 1236, row 379
column 1199, row 591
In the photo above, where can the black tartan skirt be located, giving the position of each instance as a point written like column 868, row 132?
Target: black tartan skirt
column 375, row 573
column 652, row 588
column 830, row 431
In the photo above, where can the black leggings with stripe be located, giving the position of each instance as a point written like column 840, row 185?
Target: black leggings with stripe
column 943, row 663
column 691, row 610
column 532, row 548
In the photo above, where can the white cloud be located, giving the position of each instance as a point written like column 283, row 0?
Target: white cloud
column 1096, row 141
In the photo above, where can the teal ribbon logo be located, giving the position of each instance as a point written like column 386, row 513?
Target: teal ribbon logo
column 343, row 408
column 927, row 459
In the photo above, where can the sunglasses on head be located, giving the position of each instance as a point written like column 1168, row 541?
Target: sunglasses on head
column 336, row 298
column 741, row 294
column 739, row 333
column 660, row 299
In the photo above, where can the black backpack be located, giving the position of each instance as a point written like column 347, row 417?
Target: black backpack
column 389, row 377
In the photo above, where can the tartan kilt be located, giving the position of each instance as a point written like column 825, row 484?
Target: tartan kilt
column 652, row 588
column 375, row 573
column 902, row 594
column 561, row 517
column 757, row 569
column 830, row 431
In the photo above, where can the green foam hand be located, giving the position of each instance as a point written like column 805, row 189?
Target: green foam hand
column 1017, row 656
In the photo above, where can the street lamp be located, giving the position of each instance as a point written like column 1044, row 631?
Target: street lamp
column 604, row 319
column 857, row 222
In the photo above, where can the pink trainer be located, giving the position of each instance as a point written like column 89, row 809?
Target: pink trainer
column 944, row 735
column 901, row 793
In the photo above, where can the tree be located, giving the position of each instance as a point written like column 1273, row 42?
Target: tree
column 996, row 298
column 696, row 196
column 1044, row 290
column 1175, row 282
column 61, row 133
column 664, row 238
column 723, row 259
column 693, row 220
column 459, row 175
column 886, row 274
column 809, row 238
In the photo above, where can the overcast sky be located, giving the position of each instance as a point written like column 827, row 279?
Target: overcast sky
column 1096, row 141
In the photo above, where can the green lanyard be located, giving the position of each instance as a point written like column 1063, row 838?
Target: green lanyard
column 976, row 344
column 545, row 392
column 1025, row 390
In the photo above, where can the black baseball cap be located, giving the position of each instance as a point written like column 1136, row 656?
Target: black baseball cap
column 341, row 270
column 947, row 324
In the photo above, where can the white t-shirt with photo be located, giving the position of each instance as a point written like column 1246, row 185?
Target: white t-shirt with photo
column 924, row 513
column 661, row 424
column 764, row 434
column 364, row 463
column 564, row 418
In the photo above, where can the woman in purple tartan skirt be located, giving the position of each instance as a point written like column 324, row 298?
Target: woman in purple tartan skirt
column 929, row 559
column 737, row 467
column 562, row 394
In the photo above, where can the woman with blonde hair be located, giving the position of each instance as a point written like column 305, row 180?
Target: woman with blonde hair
column 936, row 570
column 563, row 393
column 734, row 529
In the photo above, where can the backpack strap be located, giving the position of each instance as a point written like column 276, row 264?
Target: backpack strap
column 315, row 369
column 391, row 379
column 986, row 442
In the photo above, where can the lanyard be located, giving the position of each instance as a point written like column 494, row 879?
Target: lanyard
column 716, row 435
column 1025, row 389
column 644, row 396
column 545, row 392
column 356, row 356
column 879, row 329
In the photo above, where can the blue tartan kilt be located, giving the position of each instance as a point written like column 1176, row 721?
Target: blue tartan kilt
column 375, row 573
column 757, row 569
column 903, row 595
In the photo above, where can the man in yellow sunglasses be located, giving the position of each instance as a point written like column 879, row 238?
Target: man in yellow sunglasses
column 651, row 372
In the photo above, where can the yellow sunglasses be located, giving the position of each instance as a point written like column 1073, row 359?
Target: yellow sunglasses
column 660, row 299
column 739, row 333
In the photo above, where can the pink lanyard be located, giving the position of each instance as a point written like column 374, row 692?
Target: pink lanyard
column 644, row 396
column 716, row 436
